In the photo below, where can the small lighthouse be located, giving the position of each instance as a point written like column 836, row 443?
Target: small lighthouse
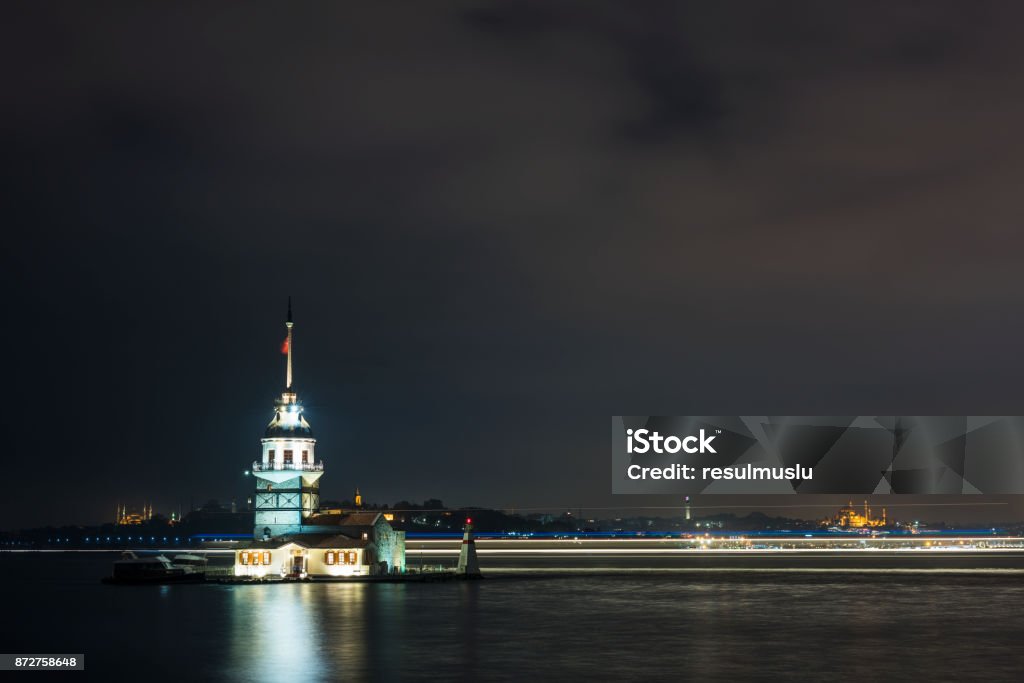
column 468, row 565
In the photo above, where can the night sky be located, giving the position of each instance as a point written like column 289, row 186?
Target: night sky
column 501, row 223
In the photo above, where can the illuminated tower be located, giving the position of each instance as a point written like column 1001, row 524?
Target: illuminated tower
column 287, row 476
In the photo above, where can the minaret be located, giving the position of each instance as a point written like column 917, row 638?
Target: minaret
column 287, row 475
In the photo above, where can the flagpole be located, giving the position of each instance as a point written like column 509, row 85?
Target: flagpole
column 288, row 324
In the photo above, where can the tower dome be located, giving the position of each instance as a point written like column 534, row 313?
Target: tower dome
column 288, row 422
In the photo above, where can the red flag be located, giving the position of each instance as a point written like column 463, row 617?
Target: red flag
column 284, row 347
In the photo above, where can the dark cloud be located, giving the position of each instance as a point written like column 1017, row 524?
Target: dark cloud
column 502, row 223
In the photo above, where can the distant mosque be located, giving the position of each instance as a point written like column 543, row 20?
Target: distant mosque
column 849, row 518
column 125, row 518
column 293, row 537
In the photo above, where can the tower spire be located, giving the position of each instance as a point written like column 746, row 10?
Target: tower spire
column 288, row 324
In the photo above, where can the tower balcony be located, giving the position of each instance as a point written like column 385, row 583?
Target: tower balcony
column 258, row 466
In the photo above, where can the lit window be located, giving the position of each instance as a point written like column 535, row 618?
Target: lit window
column 329, row 557
column 266, row 557
column 252, row 557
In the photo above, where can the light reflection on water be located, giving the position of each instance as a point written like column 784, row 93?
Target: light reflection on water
column 709, row 626
column 353, row 631
column 275, row 633
column 324, row 631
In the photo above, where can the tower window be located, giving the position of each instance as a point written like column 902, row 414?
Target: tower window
column 288, row 457
column 270, row 455
column 305, row 457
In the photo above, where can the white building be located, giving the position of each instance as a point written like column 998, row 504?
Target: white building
column 356, row 544
column 289, row 531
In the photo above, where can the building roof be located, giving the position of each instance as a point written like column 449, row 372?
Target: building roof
column 341, row 541
column 272, row 544
column 313, row 541
column 349, row 519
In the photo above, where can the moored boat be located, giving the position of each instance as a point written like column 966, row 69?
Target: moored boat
column 192, row 564
column 157, row 569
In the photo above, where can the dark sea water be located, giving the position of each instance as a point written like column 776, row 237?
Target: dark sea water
column 673, row 626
